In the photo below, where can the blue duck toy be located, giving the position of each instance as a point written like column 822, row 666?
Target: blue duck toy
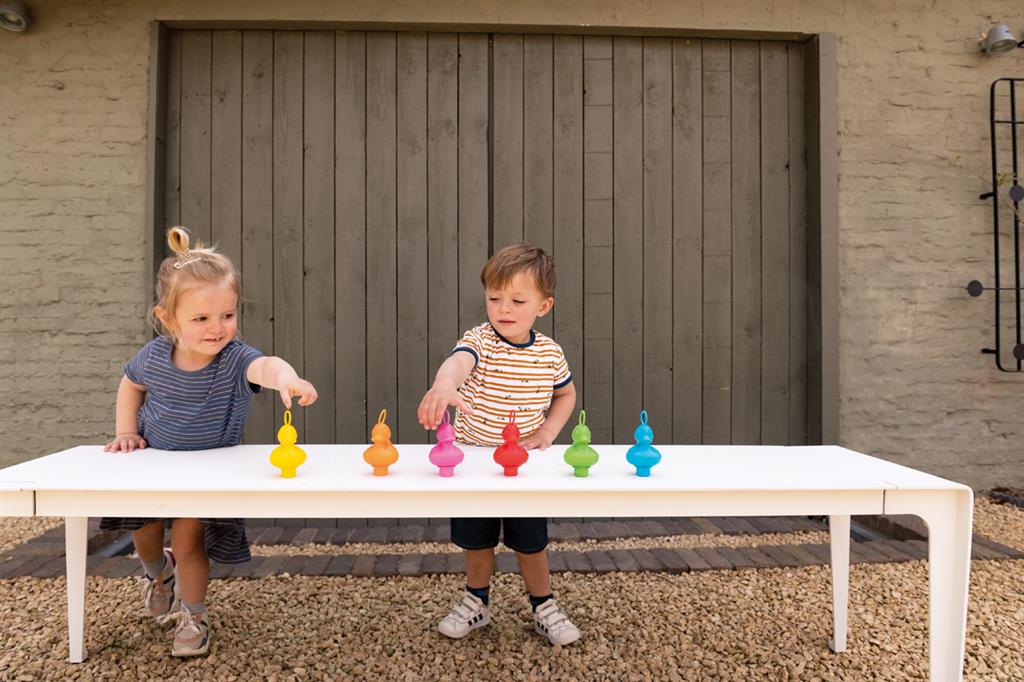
column 643, row 455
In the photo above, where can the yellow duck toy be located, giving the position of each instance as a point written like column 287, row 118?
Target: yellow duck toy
column 382, row 453
column 286, row 456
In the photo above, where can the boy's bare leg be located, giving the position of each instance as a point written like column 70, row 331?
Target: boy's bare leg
column 190, row 555
column 536, row 572
column 149, row 541
column 479, row 567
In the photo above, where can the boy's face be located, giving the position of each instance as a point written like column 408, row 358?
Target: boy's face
column 513, row 309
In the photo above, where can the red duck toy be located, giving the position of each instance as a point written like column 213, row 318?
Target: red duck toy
column 511, row 455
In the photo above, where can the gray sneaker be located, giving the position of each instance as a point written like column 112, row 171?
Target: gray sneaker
column 160, row 594
column 192, row 636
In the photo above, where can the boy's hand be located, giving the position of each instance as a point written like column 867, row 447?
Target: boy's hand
column 538, row 440
column 125, row 442
column 436, row 401
column 294, row 386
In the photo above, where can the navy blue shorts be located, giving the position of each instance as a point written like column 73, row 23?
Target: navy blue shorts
column 527, row 536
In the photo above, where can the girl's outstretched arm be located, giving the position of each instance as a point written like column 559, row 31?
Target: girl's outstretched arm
column 273, row 372
column 130, row 396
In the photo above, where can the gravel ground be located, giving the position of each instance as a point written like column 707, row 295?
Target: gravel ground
column 675, row 541
column 1000, row 522
column 768, row 624
column 15, row 530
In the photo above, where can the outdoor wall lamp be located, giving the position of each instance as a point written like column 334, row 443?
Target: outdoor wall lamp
column 999, row 39
column 14, row 15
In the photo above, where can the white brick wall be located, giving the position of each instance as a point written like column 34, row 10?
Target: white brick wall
column 912, row 91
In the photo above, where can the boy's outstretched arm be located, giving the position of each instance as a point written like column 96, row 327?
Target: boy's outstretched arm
column 562, row 404
column 273, row 372
column 452, row 373
column 130, row 396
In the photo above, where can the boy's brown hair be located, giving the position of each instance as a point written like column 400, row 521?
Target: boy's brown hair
column 507, row 262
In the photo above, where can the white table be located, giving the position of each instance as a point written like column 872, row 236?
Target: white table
column 334, row 482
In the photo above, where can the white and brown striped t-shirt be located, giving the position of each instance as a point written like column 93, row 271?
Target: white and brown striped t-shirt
column 507, row 376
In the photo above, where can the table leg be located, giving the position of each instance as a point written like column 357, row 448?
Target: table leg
column 839, row 539
column 76, row 539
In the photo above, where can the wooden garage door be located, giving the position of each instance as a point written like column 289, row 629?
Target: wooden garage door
column 361, row 179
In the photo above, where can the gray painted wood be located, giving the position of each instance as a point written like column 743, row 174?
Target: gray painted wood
column 172, row 132
column 688, row 243
column 226, row 144
column 797, row 247
column 538, row 122
column 411, row 264
column 507, row 150
column 381, row 228
column 289, row 336
column 567, row 176
column 156, row 158
column 473, row 174
column 195, row 134
column 717, row 240
column 442, row 198
column 598, row 328
column 350, row 237
column 628, row 216
column 746, row 244
column 318, row 313
column 657, row 236
column 775, row 244
column 257, row 326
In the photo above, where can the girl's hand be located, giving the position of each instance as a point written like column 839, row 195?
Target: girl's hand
column 125, row 442
column 294, row 386
column 538, row 440
column 436, row 401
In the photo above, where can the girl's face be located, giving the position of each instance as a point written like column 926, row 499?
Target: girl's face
column 513, row 309
column 205, row 320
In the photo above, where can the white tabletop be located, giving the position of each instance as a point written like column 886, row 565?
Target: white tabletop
column 339, row 468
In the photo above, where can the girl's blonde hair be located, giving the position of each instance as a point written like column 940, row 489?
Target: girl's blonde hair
column 188, row 268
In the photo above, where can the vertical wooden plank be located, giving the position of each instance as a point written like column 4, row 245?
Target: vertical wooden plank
column 598, row 328
column 350, row 237
column 628, row 307
column 775, row 244
column 746, row 244
column 156, row 156
column 688, row 243
column 657, row 236
column 443, row 197
column 319, row 336
column 411, row 266
column 381, row 232
column 195, row 133
column 172, row 176
column 797, row 247
column 567, row 172
column 507, row 107
column 226, row 144
column 288, row 217
column 717, row 267
column 258, row 216
column 473, row 174
column 538, row 110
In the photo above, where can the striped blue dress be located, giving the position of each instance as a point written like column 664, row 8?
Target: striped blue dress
column 197, row 410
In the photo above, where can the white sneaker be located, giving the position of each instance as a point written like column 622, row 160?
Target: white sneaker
column 468, row 615
column 160, row 595
column 551, row 621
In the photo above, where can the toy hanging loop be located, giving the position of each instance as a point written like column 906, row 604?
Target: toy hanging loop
column 583, row 417
column 446, row 419
column 382, row 416
column 643, row 417
column 512, row 417
column 287, row 417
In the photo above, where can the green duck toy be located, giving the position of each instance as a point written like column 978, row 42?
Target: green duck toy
column 580, row 456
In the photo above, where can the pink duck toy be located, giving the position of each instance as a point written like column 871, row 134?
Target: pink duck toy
column 445, row 455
